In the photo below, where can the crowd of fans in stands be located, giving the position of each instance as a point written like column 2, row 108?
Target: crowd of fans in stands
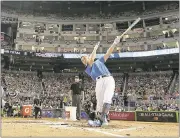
column 148, row 92
column 91, row 16
column 153, row 89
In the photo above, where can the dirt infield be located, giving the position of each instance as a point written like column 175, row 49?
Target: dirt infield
column 58, row 127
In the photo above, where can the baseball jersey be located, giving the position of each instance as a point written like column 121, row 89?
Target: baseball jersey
column 97, row 69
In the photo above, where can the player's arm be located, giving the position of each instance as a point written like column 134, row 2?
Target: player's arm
column 111, row 49
column 93, row 54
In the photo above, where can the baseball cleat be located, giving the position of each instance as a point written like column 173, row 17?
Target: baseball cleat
column 105, row 124
column 95, row 123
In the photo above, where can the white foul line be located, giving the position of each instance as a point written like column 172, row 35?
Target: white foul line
column 107, row 133
column 103, row 132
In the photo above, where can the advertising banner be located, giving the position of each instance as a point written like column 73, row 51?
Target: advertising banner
column 115, row 55
column 67, row 113
column 56, row 113
column 129, row 116
column 26, row 110
column 177, row 116
column 47, row 113
column 156, row 116
column 84, row 115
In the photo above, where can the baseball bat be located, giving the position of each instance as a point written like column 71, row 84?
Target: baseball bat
column 130, row 27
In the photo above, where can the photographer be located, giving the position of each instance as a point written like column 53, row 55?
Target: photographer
column 8, row 108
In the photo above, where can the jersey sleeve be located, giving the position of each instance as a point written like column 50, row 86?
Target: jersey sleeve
column 101, row 59
column 88, row 70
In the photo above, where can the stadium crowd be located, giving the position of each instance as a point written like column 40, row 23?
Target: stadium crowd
column 95, row 16
column 153, row 89
column 148, row 92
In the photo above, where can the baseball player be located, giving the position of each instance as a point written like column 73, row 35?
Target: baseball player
column 105, row 84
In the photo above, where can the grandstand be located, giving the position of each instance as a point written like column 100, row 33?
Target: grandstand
column 42, row 42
